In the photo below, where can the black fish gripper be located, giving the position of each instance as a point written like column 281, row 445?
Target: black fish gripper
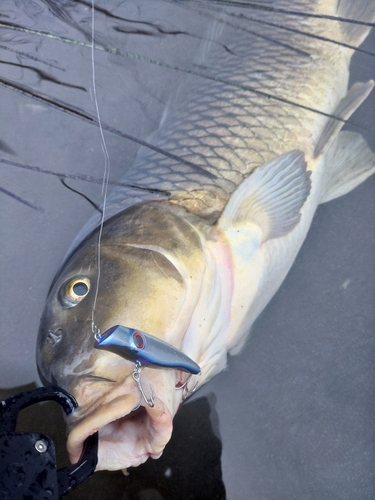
column 27, row 459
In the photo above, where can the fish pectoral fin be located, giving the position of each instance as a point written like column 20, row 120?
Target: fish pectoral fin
column 346, row 107
column 271, row 197
column 349, row 162
column 360, row 10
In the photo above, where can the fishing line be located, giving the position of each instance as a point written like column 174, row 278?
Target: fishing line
column 107, row 166
column 77, row 113
column 82, row 177
column 21, row 200
column 271, row 8
column 278, row 26
column 42, row 75
column 21, row 54
column 66, row 109
column 63, row 182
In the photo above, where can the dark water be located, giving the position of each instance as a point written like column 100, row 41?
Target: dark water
column 293, row 415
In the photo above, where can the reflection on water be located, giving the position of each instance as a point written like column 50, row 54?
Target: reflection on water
column 296, row 407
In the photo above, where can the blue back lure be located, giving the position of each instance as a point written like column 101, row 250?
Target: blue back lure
column 145, row 350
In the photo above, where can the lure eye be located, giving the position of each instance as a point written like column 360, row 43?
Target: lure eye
column 139, row 340
column 74, row 291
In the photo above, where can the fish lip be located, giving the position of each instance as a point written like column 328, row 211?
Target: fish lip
column 129, row 430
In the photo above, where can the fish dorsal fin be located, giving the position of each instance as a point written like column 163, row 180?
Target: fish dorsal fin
column 271, row 197
column 358, row 10
column 348, row 163
column 346, row 107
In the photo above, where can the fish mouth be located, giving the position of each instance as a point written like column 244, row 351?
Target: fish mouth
column 130, row 431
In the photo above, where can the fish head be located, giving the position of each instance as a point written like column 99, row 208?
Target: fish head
column 151, row 266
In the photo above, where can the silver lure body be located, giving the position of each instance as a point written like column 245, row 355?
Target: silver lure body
column 145, row 349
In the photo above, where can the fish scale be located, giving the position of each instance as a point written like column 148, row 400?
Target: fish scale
column 247, row 129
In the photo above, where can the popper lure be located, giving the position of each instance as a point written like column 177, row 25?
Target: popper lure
column 145, row 350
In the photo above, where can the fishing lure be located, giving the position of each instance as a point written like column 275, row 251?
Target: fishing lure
column 145, row 350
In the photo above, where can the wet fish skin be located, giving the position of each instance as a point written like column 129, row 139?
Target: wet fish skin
column 197, row 250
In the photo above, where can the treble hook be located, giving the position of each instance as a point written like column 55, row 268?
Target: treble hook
column 179, row 387
column 137, row 378
column 186, row 392
column 139, row 347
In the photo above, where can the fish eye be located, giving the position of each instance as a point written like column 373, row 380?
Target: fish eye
column 74, row 291
column 139, row 340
